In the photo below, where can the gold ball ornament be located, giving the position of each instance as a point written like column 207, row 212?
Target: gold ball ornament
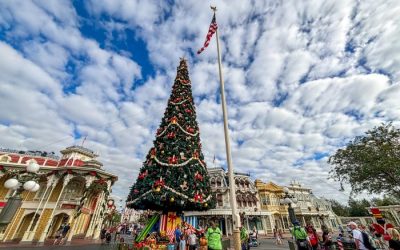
column 172, row 199
column 205, row 205
column 157, row 189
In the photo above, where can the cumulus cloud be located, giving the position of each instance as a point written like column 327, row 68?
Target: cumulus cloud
column 301, row 78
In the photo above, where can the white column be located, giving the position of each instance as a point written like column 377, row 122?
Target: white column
column 54, row 182
column 66, row 180
column 28, row 234
column 94, row 215
column 272, row 222
column 226, row 225
column 88, row 181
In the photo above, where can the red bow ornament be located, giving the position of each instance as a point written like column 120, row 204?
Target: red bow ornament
column 173, row 159
column 142, row 175
column 171, row 135
column 198, row 197
column 172, row 218
column 153, row 153
column 159, row 183
column 198, row 176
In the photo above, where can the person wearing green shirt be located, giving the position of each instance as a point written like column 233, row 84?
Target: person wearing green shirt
column 244, row 238
column 300, row 235
column 213, row 236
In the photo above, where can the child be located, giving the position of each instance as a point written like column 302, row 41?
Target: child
column 182, row 243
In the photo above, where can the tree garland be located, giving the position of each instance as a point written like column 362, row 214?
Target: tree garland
column 180, row 127
column 178, row 164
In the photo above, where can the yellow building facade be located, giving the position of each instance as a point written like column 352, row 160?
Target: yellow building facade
column 73, row 189
column 308, row 209
column 270, row 195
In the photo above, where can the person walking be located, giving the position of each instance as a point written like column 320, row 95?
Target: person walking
column 300, row 236
column 192, row 240
column 213, row 236
column 244, row 238
column 312, row 237
column 64, row 233
column 178, row 234
column 58, row 236
column 394, row 242
column 357, row 236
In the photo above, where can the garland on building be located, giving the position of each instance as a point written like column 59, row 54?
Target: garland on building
column 174, row 176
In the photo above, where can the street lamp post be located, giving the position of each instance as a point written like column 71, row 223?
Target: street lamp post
column 289, row 199
column 19, row 181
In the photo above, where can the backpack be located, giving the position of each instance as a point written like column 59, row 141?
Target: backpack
column 366, row 241
column 299, row 234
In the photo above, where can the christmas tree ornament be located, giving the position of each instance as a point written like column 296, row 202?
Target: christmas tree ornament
column 173, row 160
column 182, row 155
column 184, row 186
column 171, row 135
column 198, row 176
column 174, row 120
column 172, row 199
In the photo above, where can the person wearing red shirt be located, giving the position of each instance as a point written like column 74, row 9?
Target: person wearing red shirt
column 381, row 228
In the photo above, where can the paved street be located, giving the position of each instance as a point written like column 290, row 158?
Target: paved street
column 270, row 245
column 264, row 244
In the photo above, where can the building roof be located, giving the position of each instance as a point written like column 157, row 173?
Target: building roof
column 10, row 158
column 270, row 186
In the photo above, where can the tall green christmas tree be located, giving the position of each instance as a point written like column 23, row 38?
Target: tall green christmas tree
column 174, row 176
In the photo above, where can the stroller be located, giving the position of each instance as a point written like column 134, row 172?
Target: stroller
column 253, row 241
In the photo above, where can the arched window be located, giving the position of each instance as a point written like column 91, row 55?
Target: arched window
column 73, row 191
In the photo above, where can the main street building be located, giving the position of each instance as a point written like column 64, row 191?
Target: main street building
column 73, row 189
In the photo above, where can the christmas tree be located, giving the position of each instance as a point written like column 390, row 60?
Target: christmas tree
column 174, row 176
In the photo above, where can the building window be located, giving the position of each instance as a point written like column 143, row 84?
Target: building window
column 73, row 191
column 40, row 193
column 265, row 200
column 220, row 202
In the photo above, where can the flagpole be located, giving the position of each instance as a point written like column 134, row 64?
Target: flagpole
column 232, row 189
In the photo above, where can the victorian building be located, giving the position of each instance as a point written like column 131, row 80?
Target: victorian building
column 311, row 209
column 308, row 209
column 247, row 201
column 270, row 197
column 73, row 189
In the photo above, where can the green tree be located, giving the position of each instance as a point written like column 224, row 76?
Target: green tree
column 340, row 209
column 385, row 201
column 174, row 176
column 370, row 162
column 358, row 207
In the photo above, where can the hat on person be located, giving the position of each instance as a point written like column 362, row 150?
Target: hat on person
column 352, row 223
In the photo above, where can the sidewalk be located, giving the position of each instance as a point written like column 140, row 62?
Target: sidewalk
column 48, row 243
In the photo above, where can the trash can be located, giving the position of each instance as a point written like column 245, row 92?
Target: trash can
column 292, row 245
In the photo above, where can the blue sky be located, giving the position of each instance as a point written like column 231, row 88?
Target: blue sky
column 302, row 78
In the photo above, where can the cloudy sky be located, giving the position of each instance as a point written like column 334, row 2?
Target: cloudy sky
column 302, row 78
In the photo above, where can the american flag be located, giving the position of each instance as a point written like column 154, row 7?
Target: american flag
column 213, row 28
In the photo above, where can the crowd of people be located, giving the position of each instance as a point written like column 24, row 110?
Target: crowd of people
column 378, row 236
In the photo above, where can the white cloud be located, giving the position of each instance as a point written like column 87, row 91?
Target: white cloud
column 301, row 79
